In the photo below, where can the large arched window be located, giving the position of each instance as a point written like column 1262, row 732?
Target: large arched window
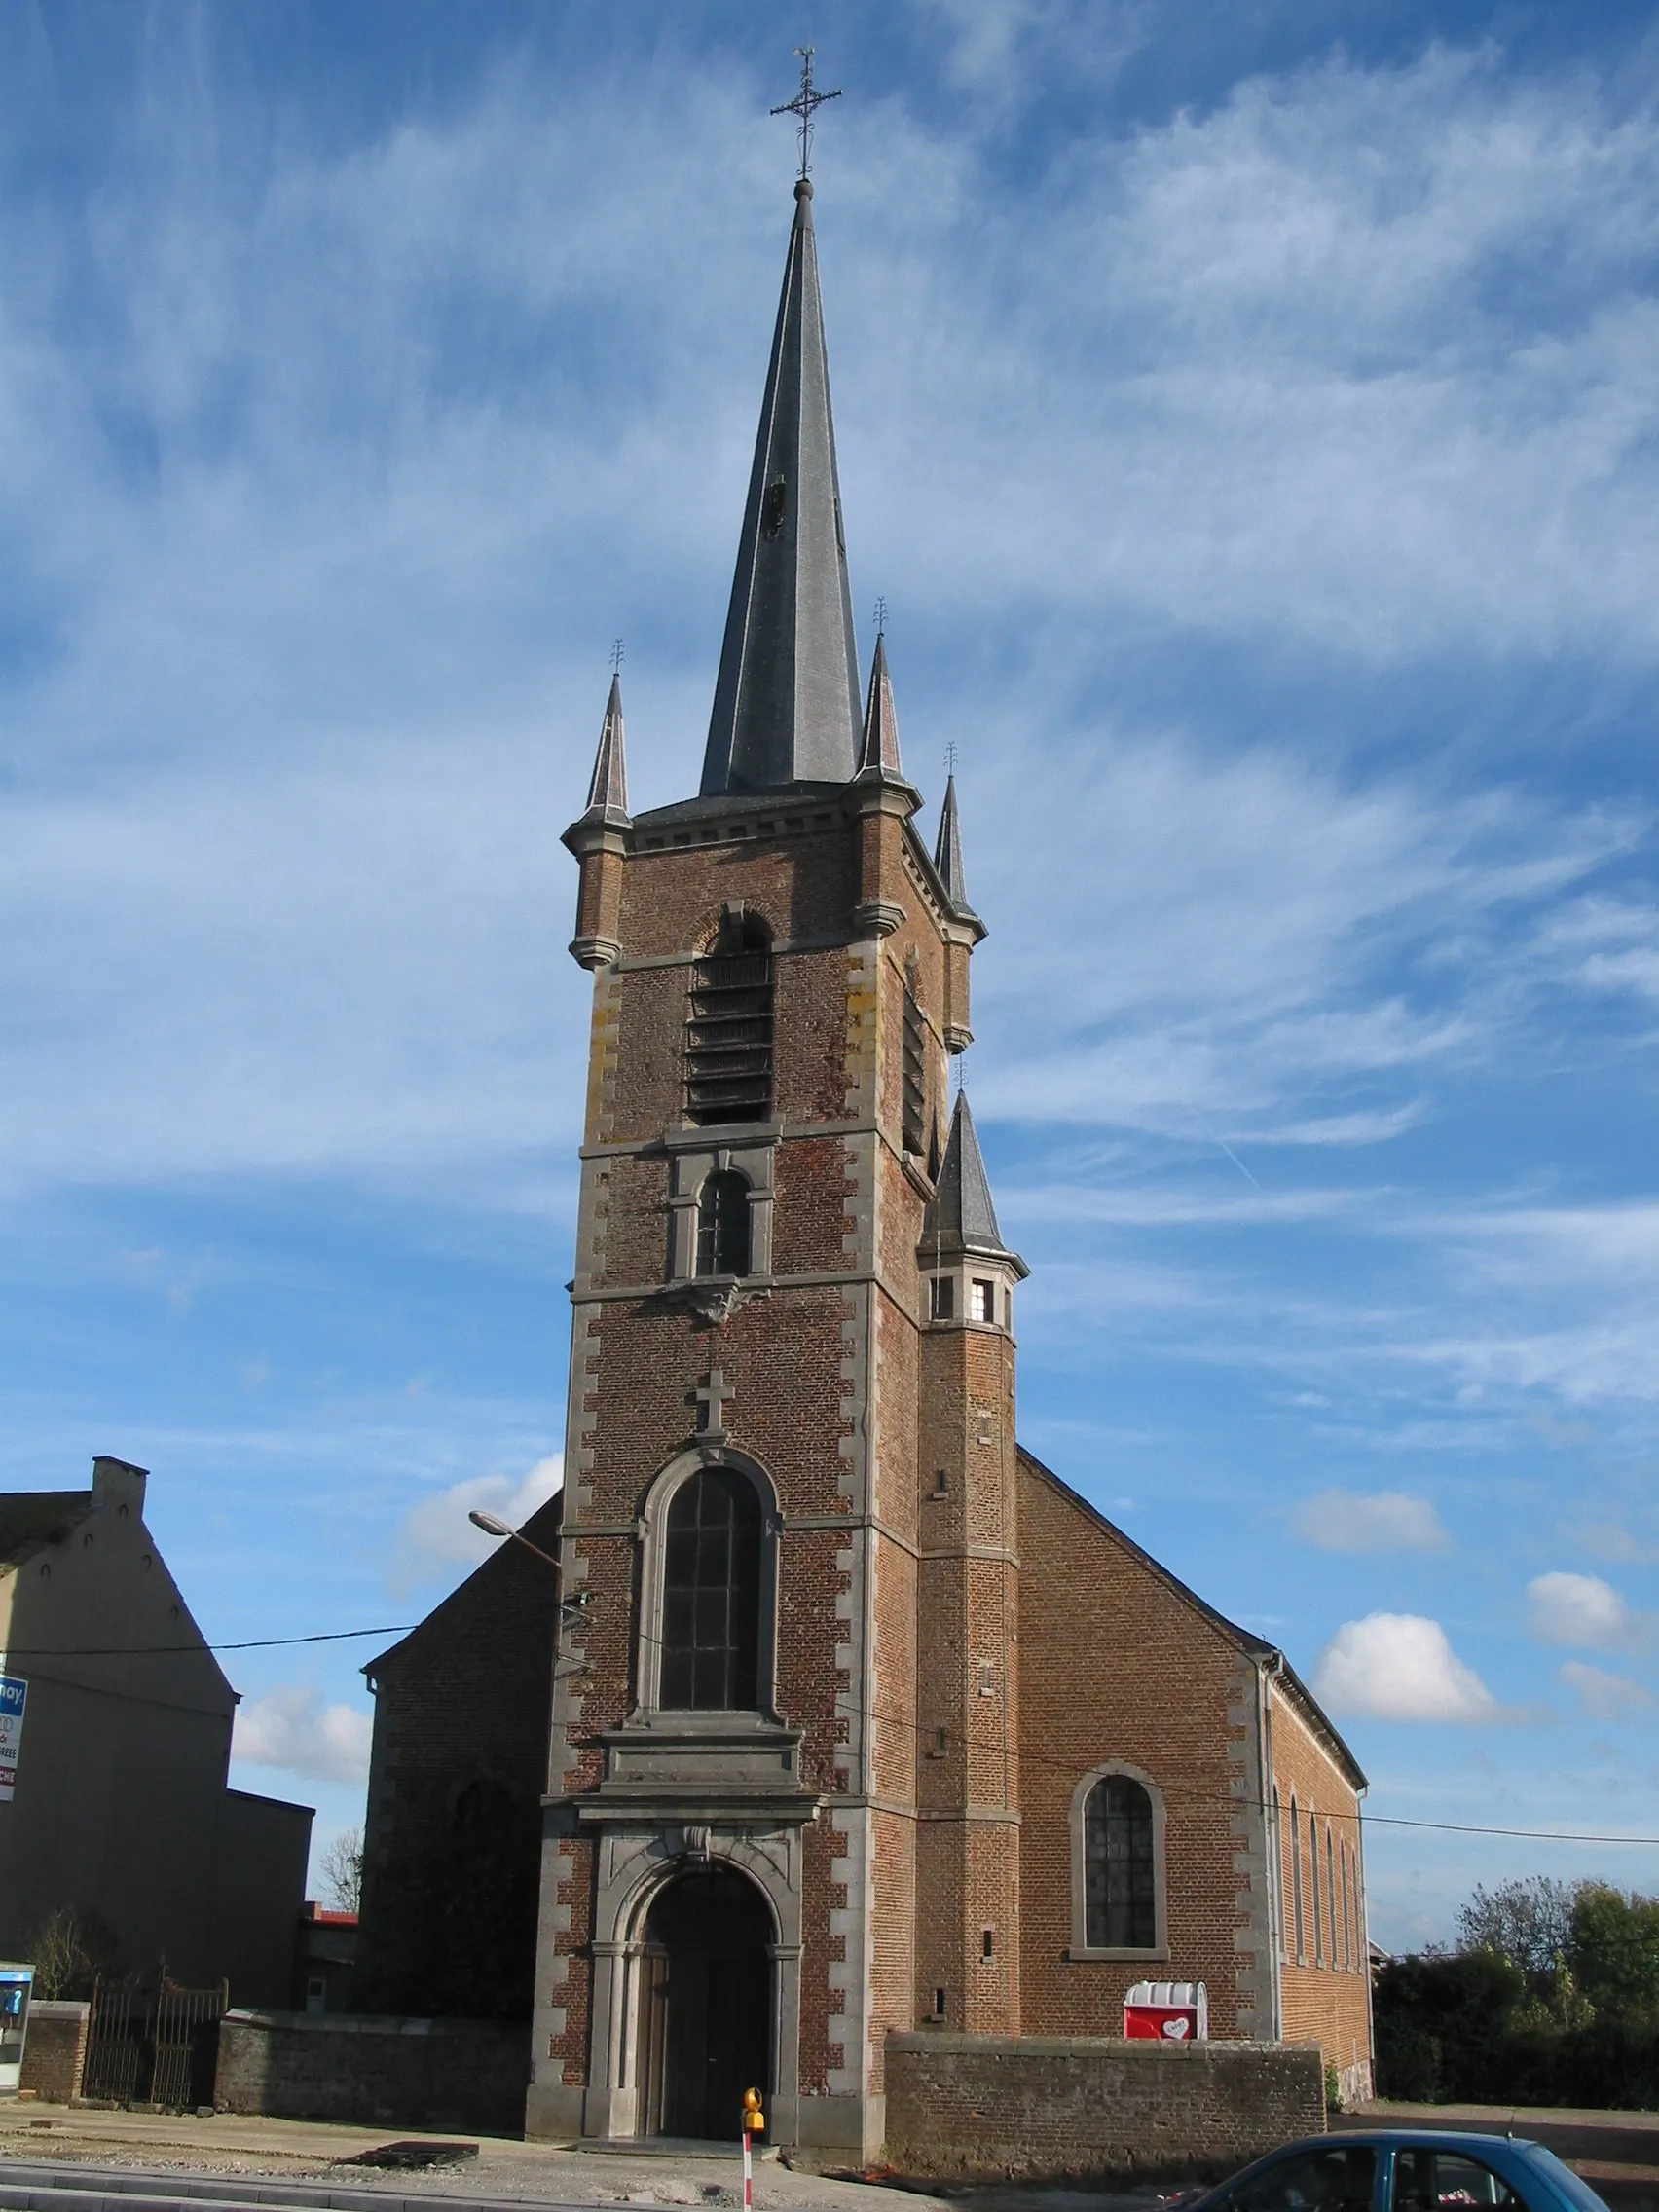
column 711, row 1594
column 1120, row 1866
column 728, row 1030
column 722, row 1224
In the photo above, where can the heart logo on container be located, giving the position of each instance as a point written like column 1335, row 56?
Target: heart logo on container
column 1177, row 2030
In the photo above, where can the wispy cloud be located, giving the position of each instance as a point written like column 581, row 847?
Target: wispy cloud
column 1604, row 1696
column 436, row 1537
column 1388, row 1520
column 1583, row 1609
column 294, row 1730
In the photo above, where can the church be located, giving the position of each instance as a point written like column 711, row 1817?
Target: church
column 839, row 1715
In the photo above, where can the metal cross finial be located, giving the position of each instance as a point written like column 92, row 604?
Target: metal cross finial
column 617, row 656
column 950, row 759
column 881, row 618
column 805, row 101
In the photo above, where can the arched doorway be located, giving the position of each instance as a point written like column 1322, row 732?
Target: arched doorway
column 705, row 2004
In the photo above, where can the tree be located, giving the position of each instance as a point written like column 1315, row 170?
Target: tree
column 341, row 1870
column 1614, row 1948
column 71, row 1950
column 1529, row 1923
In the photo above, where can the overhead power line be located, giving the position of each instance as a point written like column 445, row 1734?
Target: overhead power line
column 1025, row 1754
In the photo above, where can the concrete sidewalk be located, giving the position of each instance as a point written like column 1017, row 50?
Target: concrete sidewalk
column 232, row 2143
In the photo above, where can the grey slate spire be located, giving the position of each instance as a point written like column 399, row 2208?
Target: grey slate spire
column 608, row 792
column 960, row 1216
column 787, row 698
column 878, row 756
column 947, row 852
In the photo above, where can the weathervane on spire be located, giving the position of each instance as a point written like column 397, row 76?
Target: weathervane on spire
column 804, row 104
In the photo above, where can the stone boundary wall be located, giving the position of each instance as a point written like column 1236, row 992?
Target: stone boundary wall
column 1080, row 2107
column 375, row 2071
column 54, row 2050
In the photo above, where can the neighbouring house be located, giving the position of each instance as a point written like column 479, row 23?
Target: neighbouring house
column 325, row 1950
column 121, row 1807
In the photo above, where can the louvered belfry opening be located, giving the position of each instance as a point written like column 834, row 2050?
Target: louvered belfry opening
column 729, row 1037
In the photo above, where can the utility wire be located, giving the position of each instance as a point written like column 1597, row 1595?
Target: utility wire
column 1025, row 1756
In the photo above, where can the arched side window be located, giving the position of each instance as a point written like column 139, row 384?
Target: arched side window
column 1314, row 1891
column 1276, row 1877
column 729, row 1028
column 1331, row 1893
column 1296, row 1881
column 711, row 1594
column 722, row 1224
column 1118, row 1872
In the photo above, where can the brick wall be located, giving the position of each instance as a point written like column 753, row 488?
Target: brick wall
column 398, row 2073
column 1124, row 1666
column 54, row 2050
column 1326, row 1990
column 1063, row 2107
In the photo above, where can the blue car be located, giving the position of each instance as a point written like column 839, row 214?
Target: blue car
column 1397, row 2169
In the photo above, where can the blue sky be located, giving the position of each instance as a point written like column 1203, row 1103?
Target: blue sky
column 1251, row 417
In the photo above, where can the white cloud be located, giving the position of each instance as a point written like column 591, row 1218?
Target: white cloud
column 1582, row 1609
column 1386, row 1521
column 1604, row 1696
column 436, row 1534
column 1400, row 1667
column 291, row 1728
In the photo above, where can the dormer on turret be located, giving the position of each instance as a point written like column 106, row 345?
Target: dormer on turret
column 970, row 1271
column 599, row 839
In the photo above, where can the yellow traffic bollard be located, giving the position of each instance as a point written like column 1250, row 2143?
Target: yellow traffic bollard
column 753, row 2123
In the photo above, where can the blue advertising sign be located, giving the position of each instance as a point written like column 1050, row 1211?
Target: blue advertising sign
column 14, row 1696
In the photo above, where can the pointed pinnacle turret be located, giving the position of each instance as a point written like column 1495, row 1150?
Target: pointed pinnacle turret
column 947, row 853
column 608, row 792
column 787, row 697
column 879, row 754
column 960, row 1215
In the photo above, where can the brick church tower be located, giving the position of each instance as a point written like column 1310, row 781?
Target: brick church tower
column 790, row 1449
column 797, row 1801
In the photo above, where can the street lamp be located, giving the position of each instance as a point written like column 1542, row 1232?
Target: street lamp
column 492, row 1524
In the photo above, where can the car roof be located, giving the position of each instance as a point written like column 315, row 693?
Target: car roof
column 1414, row 2138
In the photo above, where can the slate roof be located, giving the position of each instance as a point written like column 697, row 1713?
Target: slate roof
column 31, row 1519
column 947, row 853
column 787, row 698
column 608, row 792
column 960, row 1215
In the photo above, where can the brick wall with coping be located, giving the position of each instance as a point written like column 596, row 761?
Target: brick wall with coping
column 368, row 2069
column 1081, row 2108
column 54, row 2050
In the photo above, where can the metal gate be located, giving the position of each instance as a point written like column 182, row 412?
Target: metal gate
column 153, row 2048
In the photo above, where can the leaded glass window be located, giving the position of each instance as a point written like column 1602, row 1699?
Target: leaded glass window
column 1120, row 1871
column 711, row 1598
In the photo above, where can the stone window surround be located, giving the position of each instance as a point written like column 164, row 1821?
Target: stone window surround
column 1081, row 1947
column 653, row 1532
column 693, row 1162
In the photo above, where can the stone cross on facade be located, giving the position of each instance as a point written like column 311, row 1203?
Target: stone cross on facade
column 710, row 1396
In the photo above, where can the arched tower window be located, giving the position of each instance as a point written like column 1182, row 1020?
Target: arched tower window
column 711, row 1594
column 722, row 1225
column 1120, row 1866
column 728, row 1030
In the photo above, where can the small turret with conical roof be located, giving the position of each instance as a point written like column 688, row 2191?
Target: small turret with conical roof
column 599, row 839
column 961, row 1218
